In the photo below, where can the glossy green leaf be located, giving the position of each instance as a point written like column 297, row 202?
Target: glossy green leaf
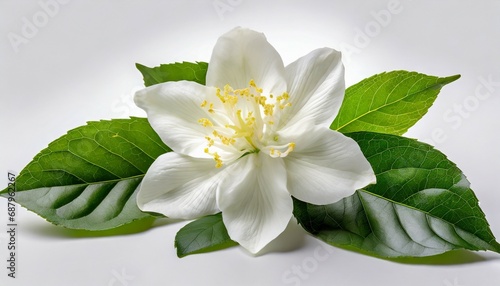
column 89, row 178
column 174, row 72
column 203, row 235
column 389, row 102
column 421, row 205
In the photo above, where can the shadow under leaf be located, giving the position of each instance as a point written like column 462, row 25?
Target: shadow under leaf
column 453, row 257
column 138, row 226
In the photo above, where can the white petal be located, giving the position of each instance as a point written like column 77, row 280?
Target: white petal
column 180, row 187
column 326, row 166
column 256, row 206
column 173, row 110
column 316, row 87
column 241, row 55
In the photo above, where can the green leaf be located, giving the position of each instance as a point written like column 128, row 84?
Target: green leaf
column 389, row 102
column 203, row 235
column 421, row 205
column 89, row 178
column 174, row 72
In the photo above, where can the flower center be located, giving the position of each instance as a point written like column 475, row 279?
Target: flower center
column 243, row 121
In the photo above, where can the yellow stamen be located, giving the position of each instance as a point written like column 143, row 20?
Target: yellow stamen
column 211, row 141
column 277, row 153
column 247, row 124
column 211, row 108
column 205, row 122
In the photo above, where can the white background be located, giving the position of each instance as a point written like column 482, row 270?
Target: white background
column 77, row 65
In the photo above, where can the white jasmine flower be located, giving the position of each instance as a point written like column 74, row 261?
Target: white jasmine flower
column 255, row 135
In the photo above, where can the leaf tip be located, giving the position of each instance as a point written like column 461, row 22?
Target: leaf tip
column 452, row 78
column 496, row 247
column 3, row 192
column 180, row 253
column 139, row 66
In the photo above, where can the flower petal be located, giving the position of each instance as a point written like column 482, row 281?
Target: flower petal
column 256, row 206
column 173, row 110
column 241, row 55
column 316, row 87
column 180, row 187
column 326, row 166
